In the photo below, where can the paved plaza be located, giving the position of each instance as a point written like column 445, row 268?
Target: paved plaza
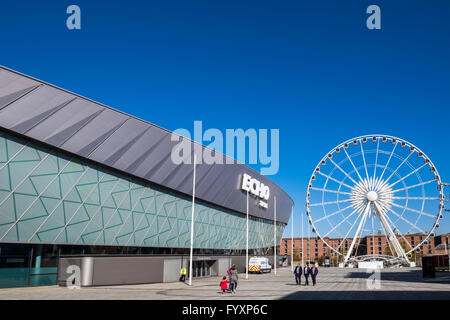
column 333, row 283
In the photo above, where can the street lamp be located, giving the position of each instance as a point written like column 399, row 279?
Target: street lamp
column 192, row 221
column 292, row 240
column 448, row 252
column 246, row 246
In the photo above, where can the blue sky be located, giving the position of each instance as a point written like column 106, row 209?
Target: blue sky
column 311, row 69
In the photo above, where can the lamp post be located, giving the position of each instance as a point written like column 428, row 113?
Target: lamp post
column 292, row 240
column 302, row 241
column 246, row 247
column 309, row 248
column 192, row 222
column 275, row 235
column 448, row 252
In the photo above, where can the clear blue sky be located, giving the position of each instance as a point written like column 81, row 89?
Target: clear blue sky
column 311, row 69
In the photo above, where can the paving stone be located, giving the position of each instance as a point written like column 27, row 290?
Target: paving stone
column 332, row 283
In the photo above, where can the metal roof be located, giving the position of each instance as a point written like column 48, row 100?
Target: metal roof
column 70, row 122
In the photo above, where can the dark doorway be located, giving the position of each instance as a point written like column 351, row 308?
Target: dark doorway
column 201, row 268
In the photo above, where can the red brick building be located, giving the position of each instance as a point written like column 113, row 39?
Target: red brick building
column 314, row 249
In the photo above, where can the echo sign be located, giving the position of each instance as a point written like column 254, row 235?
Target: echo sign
column 257, row 188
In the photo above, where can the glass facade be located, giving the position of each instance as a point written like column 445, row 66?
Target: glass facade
column 51, row 197
column 27, row 265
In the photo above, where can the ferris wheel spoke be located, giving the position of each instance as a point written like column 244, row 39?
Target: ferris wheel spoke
column 404, row 177
column 358, row 231
column 346, row 174
column 332, row 214
column 329, row 202
column 414, row 186
column 334, row 179
column 401, row 234
column 416, row 198
column 331, row 191
column 399, row 166
column 391, row 236
column 373, row 236
column 353, row 165
column 389, row 160
column 364, row 160
column 387, row 237
column 413, row 210
column 407, row 221
column 376, row 160
column 337, row 225
column 349, row 230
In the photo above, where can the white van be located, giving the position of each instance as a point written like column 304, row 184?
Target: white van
column 259, row 265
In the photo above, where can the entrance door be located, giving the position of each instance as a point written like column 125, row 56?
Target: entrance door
column 201, row 268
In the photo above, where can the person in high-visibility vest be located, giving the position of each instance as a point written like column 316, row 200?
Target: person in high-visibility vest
column 183, row 274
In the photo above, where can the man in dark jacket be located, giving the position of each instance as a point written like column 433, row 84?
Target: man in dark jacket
column 298, row 274
column 306, row 272
column 314, row 272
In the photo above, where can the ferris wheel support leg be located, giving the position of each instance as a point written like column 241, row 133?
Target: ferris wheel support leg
column 361, row 224
column 390, row 234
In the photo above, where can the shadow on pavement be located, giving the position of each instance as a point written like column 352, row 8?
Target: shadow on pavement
column 368, row 295
column 409, row 276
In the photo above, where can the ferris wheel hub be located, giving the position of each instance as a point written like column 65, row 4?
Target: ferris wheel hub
column 372, row 196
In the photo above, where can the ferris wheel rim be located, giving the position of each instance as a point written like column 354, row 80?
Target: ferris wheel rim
column 395, row 141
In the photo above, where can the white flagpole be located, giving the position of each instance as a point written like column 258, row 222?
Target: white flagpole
column 309, row 246
column 246, row 247
column 292, row 240
column 275, row 234
column 302, row 240
column 192, row 221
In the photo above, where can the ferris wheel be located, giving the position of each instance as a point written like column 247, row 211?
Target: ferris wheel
column 373, row 186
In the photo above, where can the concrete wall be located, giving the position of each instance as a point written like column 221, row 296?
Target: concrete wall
column 127, row 270
column 63, row 264
column 120, row 270
column 172, row 268
column 222, row 266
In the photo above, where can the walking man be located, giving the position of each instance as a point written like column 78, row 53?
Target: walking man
column 306, row 272
column 183, row 274
column 298, row 274
column 314, row 272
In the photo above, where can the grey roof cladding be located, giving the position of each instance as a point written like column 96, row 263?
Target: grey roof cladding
column 110, row 137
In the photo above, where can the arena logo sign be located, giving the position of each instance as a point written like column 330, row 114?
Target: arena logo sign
column 256, row 188
column 236, row 147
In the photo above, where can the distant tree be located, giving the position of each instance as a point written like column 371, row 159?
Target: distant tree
column 387, row 251
column 343, row 252
column 321, row 260
column 334, row 260
column 405, row 248
column 297, row 255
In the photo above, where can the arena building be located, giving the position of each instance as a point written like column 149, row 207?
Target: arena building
column 84, row 184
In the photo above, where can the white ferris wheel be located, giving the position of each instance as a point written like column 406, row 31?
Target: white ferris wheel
column 375, row 185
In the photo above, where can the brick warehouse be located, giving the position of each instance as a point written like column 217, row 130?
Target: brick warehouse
column 314, row 249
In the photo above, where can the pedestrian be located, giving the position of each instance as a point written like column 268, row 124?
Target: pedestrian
column 298, row 274
column 306, row 272
column 224, row 284
column 233, row 278
column 314, row 272
column 230, row 285
column 183, row 274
